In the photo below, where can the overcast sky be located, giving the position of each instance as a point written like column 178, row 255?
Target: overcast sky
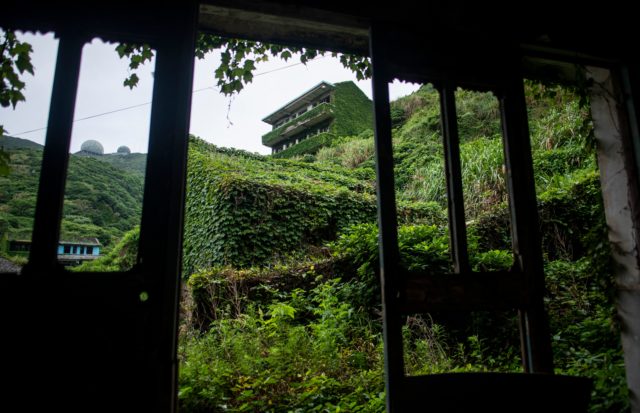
column 230, row 122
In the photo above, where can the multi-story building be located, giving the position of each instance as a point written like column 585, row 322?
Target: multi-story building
column 313, row 119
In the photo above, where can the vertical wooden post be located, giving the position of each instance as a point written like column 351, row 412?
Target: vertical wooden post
column 160, row 248
column 387, row 224
column 55, row 157
column 525, row 230
column 615, row 119
column 455, row 200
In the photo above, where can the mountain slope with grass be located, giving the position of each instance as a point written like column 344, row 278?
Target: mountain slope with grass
column 135, row 163
column 101, row 201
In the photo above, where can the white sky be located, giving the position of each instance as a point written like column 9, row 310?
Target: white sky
column 100, row 90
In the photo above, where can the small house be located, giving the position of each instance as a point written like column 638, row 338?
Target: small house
column 70, row 253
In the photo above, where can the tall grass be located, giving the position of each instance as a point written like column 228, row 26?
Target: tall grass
column 349, row 154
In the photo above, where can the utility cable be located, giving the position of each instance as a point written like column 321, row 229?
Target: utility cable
column 148, row 103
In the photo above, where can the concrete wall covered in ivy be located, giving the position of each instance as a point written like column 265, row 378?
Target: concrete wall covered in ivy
column 249, row 209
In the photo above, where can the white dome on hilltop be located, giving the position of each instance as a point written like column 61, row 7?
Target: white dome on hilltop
column 124, row 150
column 93, row 147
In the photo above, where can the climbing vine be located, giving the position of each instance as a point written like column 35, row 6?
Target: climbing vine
column 15, row 60
column 238, row 59
column 246, row 214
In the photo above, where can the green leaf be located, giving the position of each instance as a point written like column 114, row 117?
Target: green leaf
column 286, row 55
column 249, row 65
column 238, row 72
column 131, row 81
column 122, row 50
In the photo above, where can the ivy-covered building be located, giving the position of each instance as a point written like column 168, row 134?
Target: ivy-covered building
column 316, row 117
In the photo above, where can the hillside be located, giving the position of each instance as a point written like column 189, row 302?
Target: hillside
column 101, row 201
column 10, row 143
column 135, row 163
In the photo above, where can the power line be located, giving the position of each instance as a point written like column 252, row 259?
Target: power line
column 286, row 67
column 148, row 103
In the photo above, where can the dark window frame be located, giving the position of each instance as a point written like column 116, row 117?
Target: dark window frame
column 172, row 32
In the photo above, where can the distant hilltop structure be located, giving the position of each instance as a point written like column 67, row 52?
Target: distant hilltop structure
column 123, row 150
column 92, row 147
column 315, row 118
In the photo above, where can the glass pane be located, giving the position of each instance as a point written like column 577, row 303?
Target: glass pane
column 442, row 342
column 105, row 179
column 22, row 144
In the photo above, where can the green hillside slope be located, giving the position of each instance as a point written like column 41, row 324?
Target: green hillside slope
column 132, row 162
column 9, row 143
column 101, row 201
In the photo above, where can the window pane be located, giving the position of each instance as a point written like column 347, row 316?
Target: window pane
column 420, row 181
column 105, row 179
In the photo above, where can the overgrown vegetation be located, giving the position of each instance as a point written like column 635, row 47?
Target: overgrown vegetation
column 244, row 210
column 300, row 330
column 281, row 303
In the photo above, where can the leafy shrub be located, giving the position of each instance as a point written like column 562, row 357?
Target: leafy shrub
column 284, row 357
column 398, row 116
column 122, row 257
column 355, row 152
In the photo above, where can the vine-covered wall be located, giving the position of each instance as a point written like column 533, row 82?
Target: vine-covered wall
column 353, row 109
column 308, row 146
column 244, row 209
column 248, row 210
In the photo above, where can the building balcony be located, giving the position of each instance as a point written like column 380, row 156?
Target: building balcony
column 309, row 119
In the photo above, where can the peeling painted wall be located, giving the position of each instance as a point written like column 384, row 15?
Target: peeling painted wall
column 619, row 181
